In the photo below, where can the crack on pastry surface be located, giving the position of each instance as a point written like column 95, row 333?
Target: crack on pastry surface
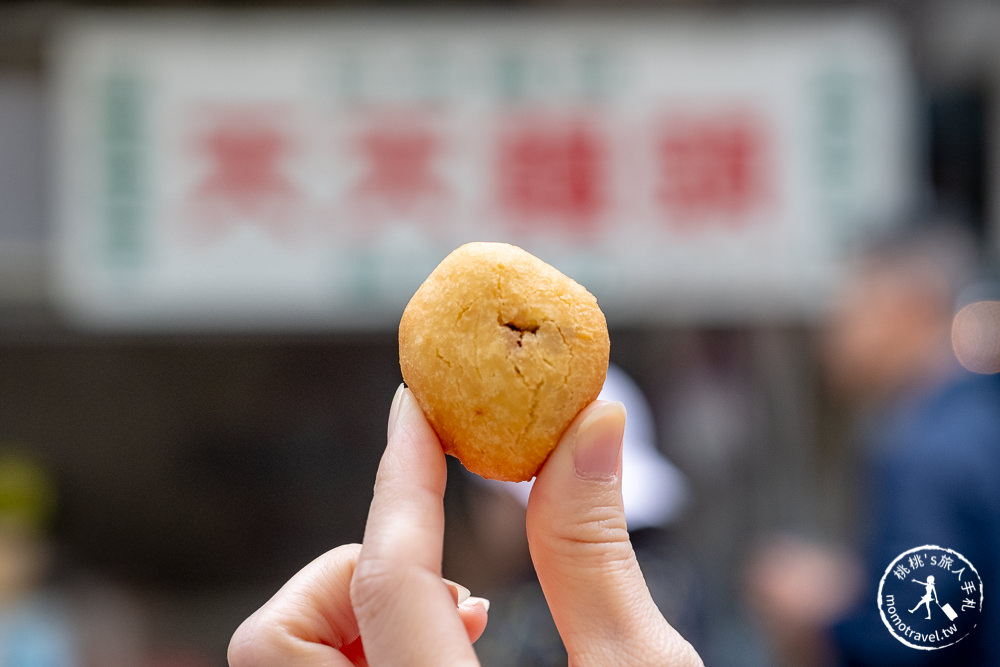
column 532, row 411
column 569, row 349
column 522, row 328
column 443, row 359
column 466, row 308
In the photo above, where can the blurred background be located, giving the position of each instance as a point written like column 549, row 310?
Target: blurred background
column 212, row 215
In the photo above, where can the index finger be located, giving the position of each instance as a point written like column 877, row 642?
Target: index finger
column 406, row 614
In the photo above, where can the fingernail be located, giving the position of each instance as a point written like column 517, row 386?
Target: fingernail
column 599, row 441
column 472, row 602
column 394, row 409
column 458, row 591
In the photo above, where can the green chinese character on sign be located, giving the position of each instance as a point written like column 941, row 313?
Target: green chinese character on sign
column 123, row 168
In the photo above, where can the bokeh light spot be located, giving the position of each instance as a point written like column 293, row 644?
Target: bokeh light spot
column 975, row 336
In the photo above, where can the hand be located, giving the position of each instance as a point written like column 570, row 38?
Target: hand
column 388, row 593
column 580, row 547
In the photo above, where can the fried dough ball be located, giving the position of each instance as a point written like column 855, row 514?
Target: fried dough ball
column 502, row 351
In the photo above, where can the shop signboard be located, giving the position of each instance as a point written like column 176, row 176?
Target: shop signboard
column 235, row 171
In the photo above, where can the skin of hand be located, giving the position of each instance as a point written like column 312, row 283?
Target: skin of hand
column 585, row 563
column 389, row 595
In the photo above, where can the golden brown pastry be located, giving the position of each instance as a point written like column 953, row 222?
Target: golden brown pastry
column 502, row 351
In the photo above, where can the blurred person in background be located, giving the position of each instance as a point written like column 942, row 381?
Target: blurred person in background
column 59, row 616
column 930, row 461
column 34, row 630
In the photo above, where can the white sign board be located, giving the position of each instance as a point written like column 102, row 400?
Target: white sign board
column 308, row 171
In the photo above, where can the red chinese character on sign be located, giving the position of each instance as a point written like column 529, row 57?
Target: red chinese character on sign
column 712, row 166
column 399, row 174
column 245, row 178
column 552, row 170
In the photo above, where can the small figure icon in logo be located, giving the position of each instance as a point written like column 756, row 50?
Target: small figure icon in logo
column 931, row 594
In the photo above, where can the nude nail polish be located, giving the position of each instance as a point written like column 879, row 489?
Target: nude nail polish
column 598, row 446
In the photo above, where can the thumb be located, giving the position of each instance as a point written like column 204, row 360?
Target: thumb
column 581, row 550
